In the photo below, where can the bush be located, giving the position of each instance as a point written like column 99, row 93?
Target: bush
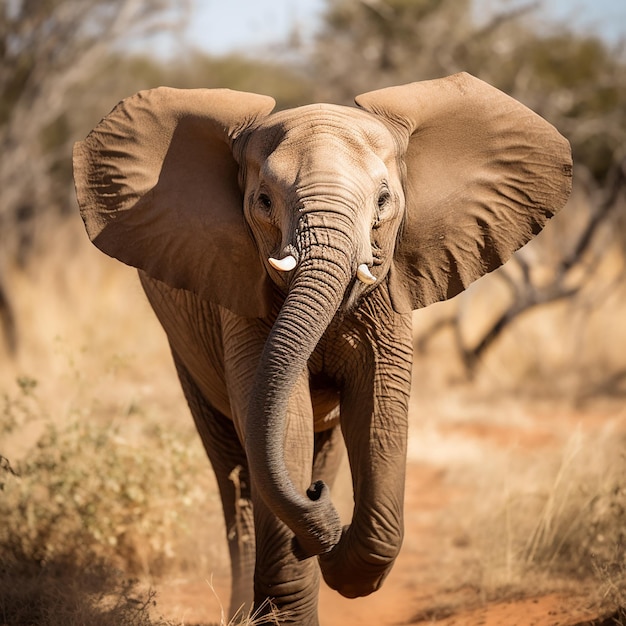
column 60, row 592
column 90, row 504
column 89, row 490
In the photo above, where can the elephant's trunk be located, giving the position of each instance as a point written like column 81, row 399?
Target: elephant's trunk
column 324, row 273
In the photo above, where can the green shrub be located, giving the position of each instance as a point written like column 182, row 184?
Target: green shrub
column 90, row 504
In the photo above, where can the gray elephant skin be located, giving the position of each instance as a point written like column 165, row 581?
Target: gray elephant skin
column 283, row 254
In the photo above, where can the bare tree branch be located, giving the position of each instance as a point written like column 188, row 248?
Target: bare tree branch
column 48, row 52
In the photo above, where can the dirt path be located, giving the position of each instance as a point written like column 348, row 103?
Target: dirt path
column 195, row 603
column 417, row 590
column 427, row 584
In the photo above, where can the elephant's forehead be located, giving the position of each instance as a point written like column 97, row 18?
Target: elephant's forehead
column 336, row 124
column 322, row 136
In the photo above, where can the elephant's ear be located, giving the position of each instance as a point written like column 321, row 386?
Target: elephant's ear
column 483, row 175
column 157, row 186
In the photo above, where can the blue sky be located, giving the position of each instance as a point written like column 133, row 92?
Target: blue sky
column 219, row 26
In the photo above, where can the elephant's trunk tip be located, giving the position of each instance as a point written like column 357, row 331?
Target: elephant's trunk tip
column 324, row 526
column 315, row 491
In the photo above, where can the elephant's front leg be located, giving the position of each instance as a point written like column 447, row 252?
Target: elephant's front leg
column 290, row 583
column 376, row 382
column 231, row 471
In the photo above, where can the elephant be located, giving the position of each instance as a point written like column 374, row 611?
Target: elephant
column 283, row 254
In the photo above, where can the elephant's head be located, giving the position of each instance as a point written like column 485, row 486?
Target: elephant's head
column 422, row 189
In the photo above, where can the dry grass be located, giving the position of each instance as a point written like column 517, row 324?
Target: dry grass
column 560, row 514
column 110, row 464
column 104, row 485
column 85, row 326
column 529, row 507
column 60, row 592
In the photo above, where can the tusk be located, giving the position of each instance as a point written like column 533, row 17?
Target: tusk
column 283, row 265
column 364, row 275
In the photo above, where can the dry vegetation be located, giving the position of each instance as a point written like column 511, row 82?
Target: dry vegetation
column 104, row 486
column 518, row 480
column 112, row 496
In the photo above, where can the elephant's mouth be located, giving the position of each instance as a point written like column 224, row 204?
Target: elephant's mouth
column 352, row 297
column 356, row 290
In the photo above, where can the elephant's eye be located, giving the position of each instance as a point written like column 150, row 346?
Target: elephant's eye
column 265, row 201
column 383, row 198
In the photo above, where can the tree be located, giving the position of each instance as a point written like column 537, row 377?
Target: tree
column 370, row 44
column 575, row 81
column 48, row 52
column 579, row 83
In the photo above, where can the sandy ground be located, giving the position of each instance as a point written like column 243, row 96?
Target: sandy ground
column 427, row 584
column 109, row 349
column 416, row 592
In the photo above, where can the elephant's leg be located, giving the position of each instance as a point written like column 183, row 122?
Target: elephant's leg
column 376, row 380
column 229, row 463
column 291, row 583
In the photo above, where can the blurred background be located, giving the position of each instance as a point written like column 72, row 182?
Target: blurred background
column 98, row 457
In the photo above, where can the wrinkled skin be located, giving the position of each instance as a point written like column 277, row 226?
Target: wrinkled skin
column 374, row 211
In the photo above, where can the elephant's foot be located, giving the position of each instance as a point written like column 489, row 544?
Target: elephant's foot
column 294, row 614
